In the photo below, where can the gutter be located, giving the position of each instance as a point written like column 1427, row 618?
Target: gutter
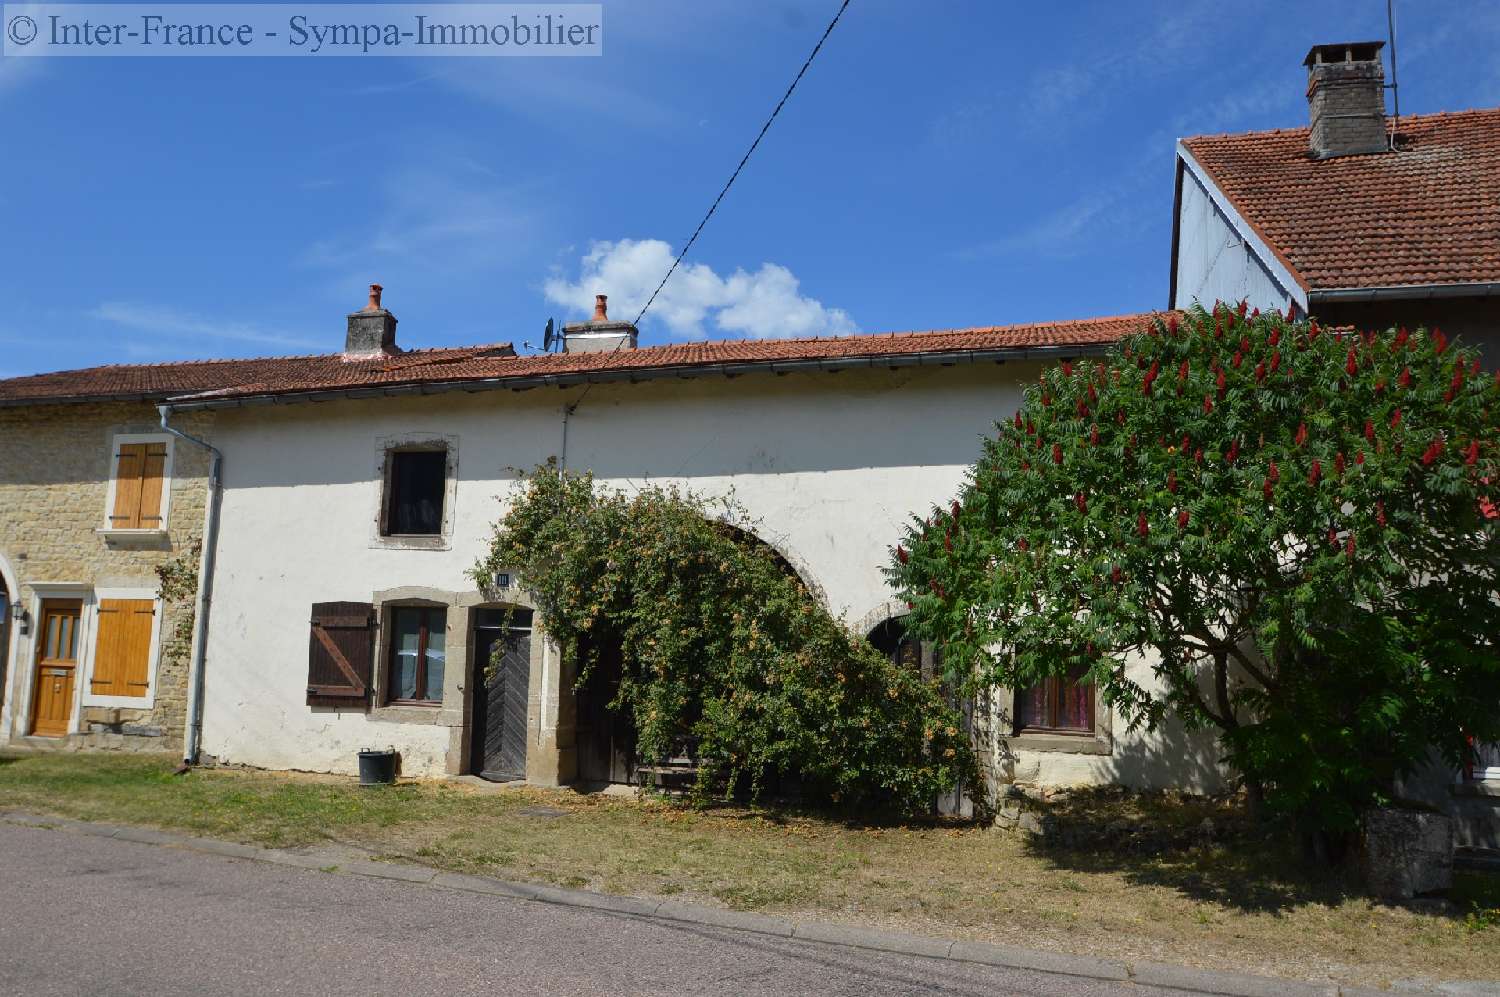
column 830, row 365
column 193, row 732
column 1406, row 292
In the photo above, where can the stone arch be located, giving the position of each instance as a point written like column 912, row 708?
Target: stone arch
column 790, row 563
column 885, row 629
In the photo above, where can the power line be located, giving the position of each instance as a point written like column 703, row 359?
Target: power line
column 753, row 145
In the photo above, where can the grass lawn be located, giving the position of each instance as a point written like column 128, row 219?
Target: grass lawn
column 1237, row 906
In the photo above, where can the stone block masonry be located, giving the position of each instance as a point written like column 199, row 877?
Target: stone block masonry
column 56, row 462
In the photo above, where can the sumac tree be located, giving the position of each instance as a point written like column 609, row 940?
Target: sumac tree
column 1292, row 527
column 722, row 650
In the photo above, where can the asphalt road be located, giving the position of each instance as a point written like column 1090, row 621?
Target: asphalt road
column 85, row 915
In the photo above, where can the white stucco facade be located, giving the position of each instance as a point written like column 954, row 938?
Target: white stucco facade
column 828, row 465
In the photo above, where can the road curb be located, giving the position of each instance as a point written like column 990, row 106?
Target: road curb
column 821, row 932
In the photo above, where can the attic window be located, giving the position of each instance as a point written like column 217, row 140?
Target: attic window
column 415, row 484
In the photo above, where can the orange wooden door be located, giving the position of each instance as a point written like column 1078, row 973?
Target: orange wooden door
column 56, row 664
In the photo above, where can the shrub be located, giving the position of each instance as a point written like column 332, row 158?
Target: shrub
column 1294, row 525
column 722, row 650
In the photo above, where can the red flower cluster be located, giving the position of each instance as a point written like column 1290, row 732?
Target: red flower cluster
column 1182, row 520
column 1433, row 452
column 1082, row 503
column 901, row 554
column 1141, row 526
column 1301, row 438
column 1315, row 473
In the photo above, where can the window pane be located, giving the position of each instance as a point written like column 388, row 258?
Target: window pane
column 436, row 639
column 405, row 642
column 54, row 628
column 416, row 500
column 1031, row 706
column 1075, row 707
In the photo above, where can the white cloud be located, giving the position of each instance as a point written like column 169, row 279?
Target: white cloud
column 166, row 322
column 764, row 304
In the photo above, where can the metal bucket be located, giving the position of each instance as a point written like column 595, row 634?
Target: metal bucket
column 377, row 766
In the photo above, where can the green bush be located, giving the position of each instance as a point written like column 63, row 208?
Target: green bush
column 723, row 651
column 1293, row 525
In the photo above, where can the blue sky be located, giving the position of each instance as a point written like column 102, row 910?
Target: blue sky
column 941, row 165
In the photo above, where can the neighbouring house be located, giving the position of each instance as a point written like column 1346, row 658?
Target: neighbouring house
column 95, row 498
column 1362, row 220
column 1358, row 219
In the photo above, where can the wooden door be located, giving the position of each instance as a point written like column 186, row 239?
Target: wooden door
column 498, row 731
column 56, row 665
column 605, row 737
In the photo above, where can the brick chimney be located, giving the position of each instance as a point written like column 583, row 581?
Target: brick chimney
column 599, row 334
column 1346, row 99
column 372, row 330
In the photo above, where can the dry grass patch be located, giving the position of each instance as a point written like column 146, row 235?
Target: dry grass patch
column 1238, row 903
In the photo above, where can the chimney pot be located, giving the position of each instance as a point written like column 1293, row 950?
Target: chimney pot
column 374, row 305
column 599, row 334
column 1346, row 100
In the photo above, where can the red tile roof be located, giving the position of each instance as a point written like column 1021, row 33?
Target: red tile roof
column 1426, row 214
column 226, row 379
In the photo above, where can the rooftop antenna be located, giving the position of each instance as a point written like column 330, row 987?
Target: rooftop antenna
column 1395, row 86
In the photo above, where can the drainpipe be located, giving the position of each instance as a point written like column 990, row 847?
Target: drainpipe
column 194, row 730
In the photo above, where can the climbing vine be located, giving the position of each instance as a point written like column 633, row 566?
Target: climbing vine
column 722, row 654
column 178, row 578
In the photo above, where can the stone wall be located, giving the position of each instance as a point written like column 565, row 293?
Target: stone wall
column 55, row 468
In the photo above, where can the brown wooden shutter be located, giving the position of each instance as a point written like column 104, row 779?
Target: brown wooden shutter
column 129, row 463
column 122, row 651
column 341, row 652
column 153, row 467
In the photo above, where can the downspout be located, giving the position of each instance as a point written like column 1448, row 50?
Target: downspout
column 193, row 732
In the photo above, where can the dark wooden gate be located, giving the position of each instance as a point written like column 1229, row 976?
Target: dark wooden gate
column 498, row 735
column 605, row 738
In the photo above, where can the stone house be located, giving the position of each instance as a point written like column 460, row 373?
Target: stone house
column 95, row 499
column 361, row 485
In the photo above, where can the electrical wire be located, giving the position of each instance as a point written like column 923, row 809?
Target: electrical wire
column 750, row 152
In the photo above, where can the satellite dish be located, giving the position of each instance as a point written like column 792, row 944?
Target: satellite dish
column 548, row 335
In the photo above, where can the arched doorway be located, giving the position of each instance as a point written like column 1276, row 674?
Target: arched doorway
column 605, row 737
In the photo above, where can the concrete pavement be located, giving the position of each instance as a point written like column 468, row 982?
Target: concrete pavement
column 101, row 909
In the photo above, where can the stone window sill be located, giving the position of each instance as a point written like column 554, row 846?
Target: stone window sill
column 423, row 542
column 132, row 538
column 404, row 713
column 1073, row 744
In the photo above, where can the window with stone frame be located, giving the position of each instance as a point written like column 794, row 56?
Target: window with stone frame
column 1056, row 706
column 415, row 488
column 418, row 654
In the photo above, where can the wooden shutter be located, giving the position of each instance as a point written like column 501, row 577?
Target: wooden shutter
column 341, row 653
column 128, row 465
column 153, row 466
column 122, row 652
column 140, row 470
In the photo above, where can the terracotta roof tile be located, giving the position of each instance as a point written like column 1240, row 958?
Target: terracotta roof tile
column 1426, row 214
column 288, row 375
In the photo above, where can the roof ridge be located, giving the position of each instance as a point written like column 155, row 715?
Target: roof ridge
column 1404, row 119
column 206, row 361
column 903, row 333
